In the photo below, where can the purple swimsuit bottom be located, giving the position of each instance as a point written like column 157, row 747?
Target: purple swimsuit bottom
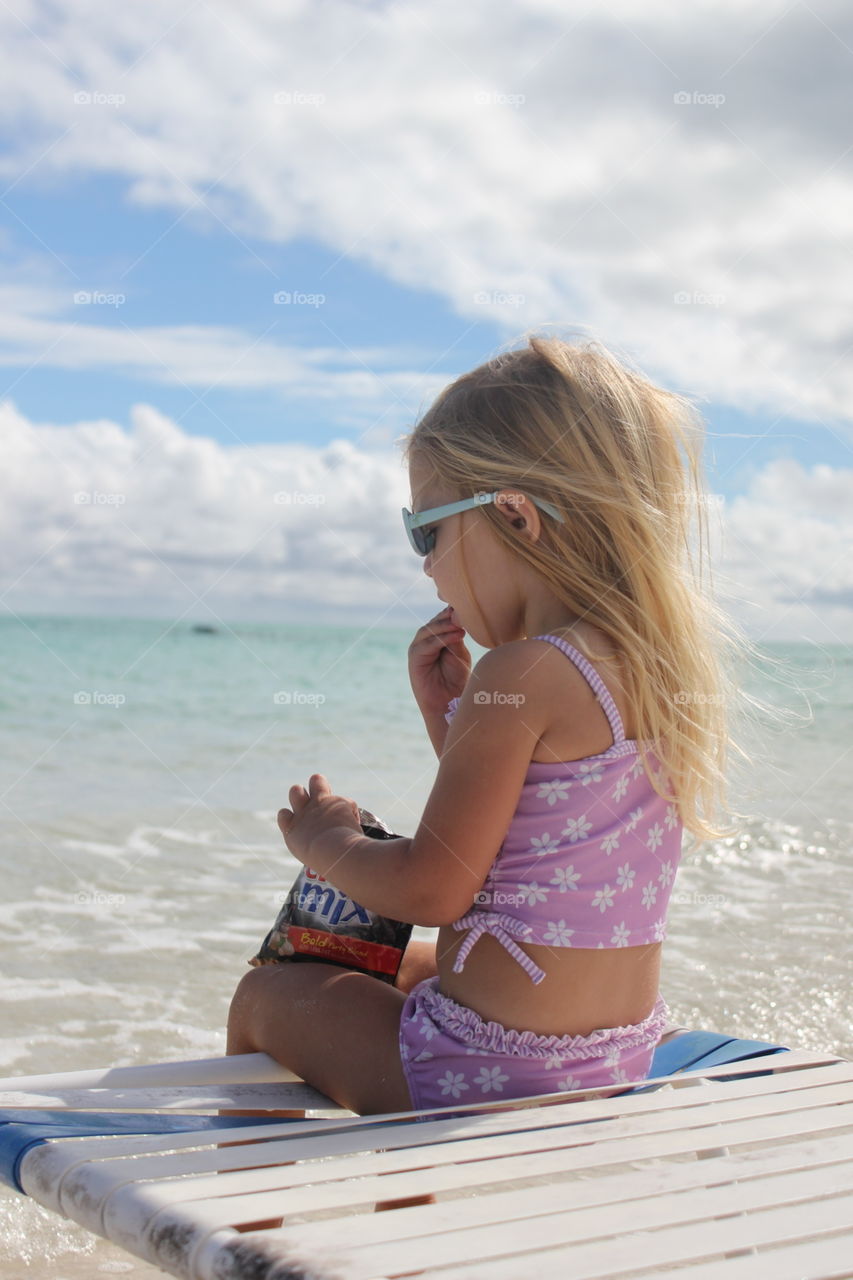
column 449, row 1054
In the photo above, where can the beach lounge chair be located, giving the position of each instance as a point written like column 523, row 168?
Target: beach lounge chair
column 733, row 1161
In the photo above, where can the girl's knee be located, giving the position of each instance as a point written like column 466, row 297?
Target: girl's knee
column 249, row 995
column 263, row 990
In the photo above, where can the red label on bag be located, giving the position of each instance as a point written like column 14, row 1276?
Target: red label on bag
column 320, row 922
column 353, row 952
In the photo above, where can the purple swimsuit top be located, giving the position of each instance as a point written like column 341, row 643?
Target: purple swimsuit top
column 590, row 855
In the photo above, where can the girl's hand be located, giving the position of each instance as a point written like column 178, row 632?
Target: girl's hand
column 439, row 663
column 314, row 813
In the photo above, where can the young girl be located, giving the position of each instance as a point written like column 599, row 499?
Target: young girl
column 553, row 491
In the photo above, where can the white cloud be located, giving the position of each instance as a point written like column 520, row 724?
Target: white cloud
column 788, row 552
column 44, row 326
column 152, row 521
column 535, row 150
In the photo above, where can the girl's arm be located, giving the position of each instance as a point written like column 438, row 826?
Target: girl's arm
column 379, row 874
column 436, row 727
column 431, row 879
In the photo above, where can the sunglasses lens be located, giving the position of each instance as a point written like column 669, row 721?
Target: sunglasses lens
column 419, row 539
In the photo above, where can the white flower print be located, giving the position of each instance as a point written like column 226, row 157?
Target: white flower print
column 558, row 933
column 620, row 935
column 428, row 1028
column 603, row 898
column 577, row 828
column 621, row 787
column 424, row 1055
column 625, row 876
column 666, row 874
column 637, row 769
column 491, row 1078
column 609, row 843
column 660, row 930
column 452, row 1083
column 544, row 844
column 565, row 877
column 591, row 773
column 636, row 815
column 671, row 818
column 553, row 791
column 620, row 1076
column 650, row 894
column 533, row 893
column 612, row 1057
column 554, row 1062
column 571, row 1082
column 654, row 836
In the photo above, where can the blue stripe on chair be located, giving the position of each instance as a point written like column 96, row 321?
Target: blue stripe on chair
column 20, row 1130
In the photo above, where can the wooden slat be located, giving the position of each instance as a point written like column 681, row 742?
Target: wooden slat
column 824, row 1259
column 737, row 1119
column 130, row 1208
column 626, row 1255
column 425, row 1156
column 329, row 1137
column 564, row 1224
column 190, row 1098
column 241, row 1068
column 498, row 1207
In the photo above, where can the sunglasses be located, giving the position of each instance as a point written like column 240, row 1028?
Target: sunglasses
column 423, row 540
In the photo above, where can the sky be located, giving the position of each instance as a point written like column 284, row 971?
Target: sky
column 243, row 247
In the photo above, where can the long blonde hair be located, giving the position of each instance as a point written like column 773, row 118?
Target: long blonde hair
column 620, row 458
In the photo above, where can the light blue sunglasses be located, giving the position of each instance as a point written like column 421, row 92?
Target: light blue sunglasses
column 423, row 540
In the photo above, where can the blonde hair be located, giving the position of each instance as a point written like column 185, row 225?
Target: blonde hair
column 620, row 458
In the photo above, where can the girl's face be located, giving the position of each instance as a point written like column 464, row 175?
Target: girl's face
column 469, row 567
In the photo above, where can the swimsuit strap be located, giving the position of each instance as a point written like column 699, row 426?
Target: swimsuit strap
column 595, row 682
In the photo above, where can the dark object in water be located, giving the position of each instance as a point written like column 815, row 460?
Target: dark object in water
column 319, row 922
column 204, row 628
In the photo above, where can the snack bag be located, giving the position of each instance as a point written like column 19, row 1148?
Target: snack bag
column 319, row 922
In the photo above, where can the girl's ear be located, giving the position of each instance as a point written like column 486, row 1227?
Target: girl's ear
column 522, row 515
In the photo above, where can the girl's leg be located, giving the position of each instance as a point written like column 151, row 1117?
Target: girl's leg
column 418, row 963
column 335, row 1028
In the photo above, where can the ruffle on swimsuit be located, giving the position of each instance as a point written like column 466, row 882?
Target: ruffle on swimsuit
column 467, row 1026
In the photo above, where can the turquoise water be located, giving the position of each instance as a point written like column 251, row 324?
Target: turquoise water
column 142, row 768
column 143, row 765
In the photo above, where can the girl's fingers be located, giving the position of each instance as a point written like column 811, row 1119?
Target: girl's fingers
column 318, row 786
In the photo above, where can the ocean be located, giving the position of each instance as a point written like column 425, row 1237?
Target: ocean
column 143, row 763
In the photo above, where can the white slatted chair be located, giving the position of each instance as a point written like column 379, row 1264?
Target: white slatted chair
column 747, row 1176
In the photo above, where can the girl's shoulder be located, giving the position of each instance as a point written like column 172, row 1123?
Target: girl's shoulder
column 576, row 725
